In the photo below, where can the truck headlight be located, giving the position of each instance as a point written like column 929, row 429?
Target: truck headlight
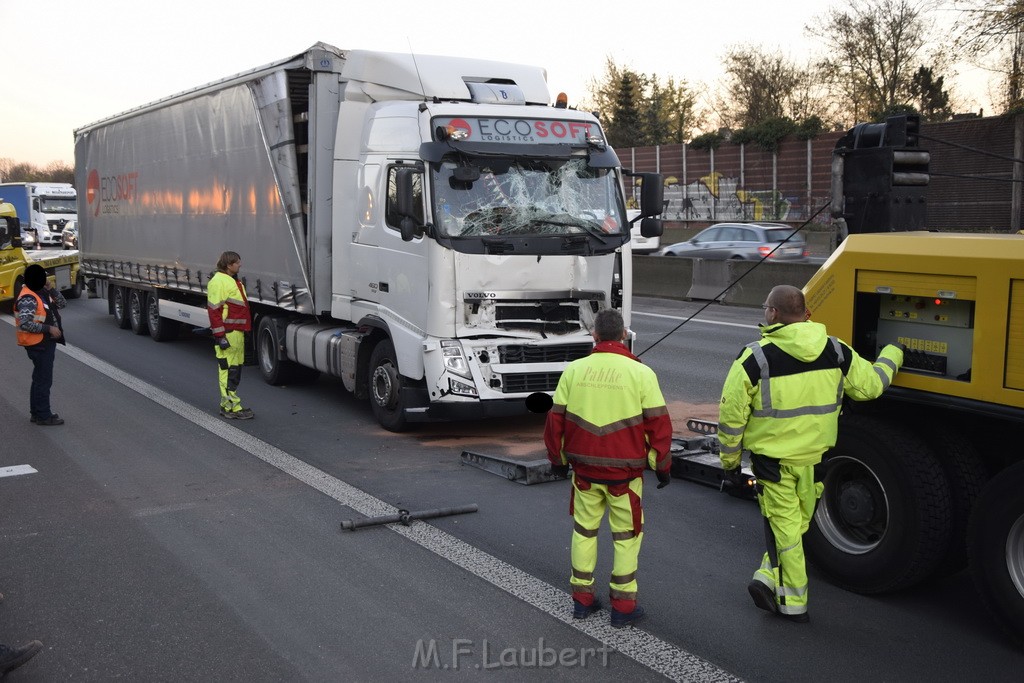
column 454, row 360
column 461, row 388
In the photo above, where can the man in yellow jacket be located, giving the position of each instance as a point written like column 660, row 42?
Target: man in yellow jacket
column 610, row 421
column 229, row 321
column 781, row 402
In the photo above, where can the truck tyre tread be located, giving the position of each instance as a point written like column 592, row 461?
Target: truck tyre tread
column 967, row 475
column 995, row 545
column 275, row 370
column 76, row 289
column 913, row 486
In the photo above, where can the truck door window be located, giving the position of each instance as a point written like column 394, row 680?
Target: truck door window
column 391, row 216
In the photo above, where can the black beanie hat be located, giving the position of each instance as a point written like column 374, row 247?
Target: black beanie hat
column 35, row 277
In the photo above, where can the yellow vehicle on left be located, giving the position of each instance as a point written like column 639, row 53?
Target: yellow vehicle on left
column 61, row 265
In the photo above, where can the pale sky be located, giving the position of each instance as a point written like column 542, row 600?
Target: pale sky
column 67, row 63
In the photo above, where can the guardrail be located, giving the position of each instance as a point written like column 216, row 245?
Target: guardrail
column 672, row 277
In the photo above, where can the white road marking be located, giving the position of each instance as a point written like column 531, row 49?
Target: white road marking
column 15, row 470
column 656, row 654
column 695, row 320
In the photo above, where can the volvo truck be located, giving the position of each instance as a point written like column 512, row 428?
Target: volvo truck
column 429, row 229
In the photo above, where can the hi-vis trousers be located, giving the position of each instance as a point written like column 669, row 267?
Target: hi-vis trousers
column 787, row 506
column 626, row 519
column 229, row 370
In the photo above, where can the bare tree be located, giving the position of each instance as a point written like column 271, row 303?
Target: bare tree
column 991, row 35
column 873, row 49
column 758, row 86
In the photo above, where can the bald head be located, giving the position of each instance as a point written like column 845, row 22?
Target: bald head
column 788, row 302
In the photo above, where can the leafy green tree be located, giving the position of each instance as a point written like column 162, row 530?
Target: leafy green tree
column 927, row 93
column 639, row 109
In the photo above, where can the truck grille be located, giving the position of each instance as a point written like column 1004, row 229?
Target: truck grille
column 552, row 317
column 530, row 381
column 520, row 353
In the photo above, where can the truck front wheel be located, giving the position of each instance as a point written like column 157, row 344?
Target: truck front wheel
column 883, row 521
column 995, row 546
column 386, row 397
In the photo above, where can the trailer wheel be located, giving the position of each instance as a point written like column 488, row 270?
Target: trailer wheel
column 386, row 388
column 137, row 311
column 883, row 521
column 120, row 307
column 995, row 546
column 160, row 329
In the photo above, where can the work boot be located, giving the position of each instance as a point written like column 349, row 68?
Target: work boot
column 764, row 597
column 13, row 657
column 53, row 420
column 800, row 618
column 581, row 611
column 244, row 414
column 622, row 619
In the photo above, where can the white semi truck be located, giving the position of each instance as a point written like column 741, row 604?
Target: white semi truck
column 427, row 228
column 45, row 209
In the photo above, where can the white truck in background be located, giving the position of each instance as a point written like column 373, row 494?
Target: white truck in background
column 45, row 209
column 427, row 228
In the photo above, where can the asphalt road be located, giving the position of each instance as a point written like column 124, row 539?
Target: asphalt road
column 158, row 542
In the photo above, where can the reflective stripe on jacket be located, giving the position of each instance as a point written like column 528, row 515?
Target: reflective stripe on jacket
column 609, row 418
column 227, row 305
column 33, row 338
column 783, row 394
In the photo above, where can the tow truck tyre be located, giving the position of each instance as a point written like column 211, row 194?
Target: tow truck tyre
column 966, row 474
column 386, row 388
column 120, row 297
column 883, row 521
column 995, row 546
column 76, row 289
column 160, row 329
column 137, row 311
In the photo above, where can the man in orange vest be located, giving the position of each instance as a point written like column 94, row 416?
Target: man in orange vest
column 39, row 331
column 609, row 420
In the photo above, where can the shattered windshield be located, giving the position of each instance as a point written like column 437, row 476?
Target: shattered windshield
column 525, row 197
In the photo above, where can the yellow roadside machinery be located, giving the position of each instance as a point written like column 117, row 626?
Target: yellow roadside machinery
column 62, row 265
column 930, row 477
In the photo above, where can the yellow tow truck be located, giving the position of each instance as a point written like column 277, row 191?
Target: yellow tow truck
column 63, row 266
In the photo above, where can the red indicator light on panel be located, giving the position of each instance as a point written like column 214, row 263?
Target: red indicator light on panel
column 938, row 302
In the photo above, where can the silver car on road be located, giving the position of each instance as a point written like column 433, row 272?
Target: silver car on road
column 746, row 241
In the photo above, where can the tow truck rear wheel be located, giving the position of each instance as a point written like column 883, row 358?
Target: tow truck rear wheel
column 76, row 289
column 119, row 296
column 883, row 521
column 137, row 311
column 995, row 546
column 386, row 398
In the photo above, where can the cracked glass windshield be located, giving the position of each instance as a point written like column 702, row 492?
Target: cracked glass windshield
column 525, row 197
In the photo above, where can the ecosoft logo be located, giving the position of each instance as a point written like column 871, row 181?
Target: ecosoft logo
column 109, row 194
column 92, row 191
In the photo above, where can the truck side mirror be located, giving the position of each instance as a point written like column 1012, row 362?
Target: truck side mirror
column 406, row 203
column 652, row 194
column 651, row 227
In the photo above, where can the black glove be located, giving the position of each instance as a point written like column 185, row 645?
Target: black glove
column 735, row 477
column 560, row 471
column 664, row 478
column 223, row 342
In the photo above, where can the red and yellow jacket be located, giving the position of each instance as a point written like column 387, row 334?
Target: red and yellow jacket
column 227, row 305
column 609, row 418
